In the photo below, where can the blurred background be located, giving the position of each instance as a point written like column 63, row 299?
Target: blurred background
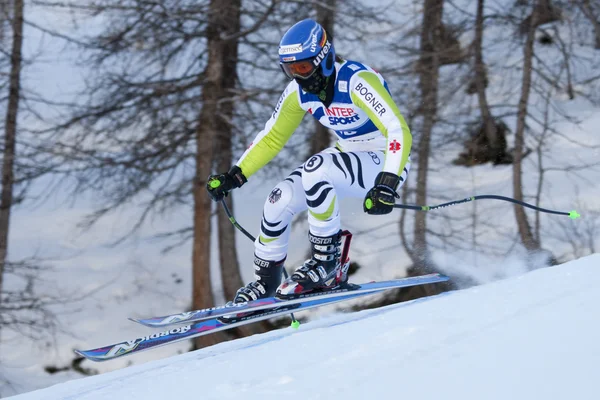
column 114, row 113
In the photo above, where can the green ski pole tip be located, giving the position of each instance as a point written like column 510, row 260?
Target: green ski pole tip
column 295, row 324
column 573, row 215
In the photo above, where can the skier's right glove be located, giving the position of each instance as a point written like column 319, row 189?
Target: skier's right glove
column 220, row 185
column 382, row 197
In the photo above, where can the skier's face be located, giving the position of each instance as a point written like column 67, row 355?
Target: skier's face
column 302, row 69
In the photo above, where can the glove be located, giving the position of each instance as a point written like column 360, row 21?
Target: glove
column 219, row 185
column 382, row 197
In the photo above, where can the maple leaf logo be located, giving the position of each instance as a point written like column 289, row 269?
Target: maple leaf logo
column 395, row 146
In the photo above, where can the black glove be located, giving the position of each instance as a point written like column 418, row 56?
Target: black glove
column 219, row 185
column 382, row 197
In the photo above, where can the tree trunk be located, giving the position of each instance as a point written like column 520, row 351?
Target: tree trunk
column 428, row 82
column 321, row 138
column 227, row 251
column 230, row 269
column 10, row 133
column 228, row 258
column 525, row 232
column 206, row 135
column 488, row 122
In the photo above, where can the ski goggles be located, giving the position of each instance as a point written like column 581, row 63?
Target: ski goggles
column 302, row 69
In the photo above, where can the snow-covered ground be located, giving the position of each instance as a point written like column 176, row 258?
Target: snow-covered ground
column 136, row 279
column 529, row 337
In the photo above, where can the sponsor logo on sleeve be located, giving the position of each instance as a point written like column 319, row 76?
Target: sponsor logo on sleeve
column 290, row 49
column 371, row 98
column 354, row 67
column 279, row 103
column 343, row 86
column 395, row 146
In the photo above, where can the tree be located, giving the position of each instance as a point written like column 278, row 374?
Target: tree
column 224, row 141
column 428, row 71
column 10, row 133
column 488, row 142
column 216, row 118
column 525, row 232
column 164, row 96
column 212, row 134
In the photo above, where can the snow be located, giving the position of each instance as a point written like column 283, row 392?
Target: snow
column 483, row 342
column 526, row 337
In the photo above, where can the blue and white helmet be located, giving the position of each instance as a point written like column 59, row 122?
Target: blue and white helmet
column 304, row 48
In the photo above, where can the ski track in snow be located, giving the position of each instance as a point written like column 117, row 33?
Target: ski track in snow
column 527, row 337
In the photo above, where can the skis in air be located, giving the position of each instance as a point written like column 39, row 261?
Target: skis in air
column 273, row 302
column 203, row 322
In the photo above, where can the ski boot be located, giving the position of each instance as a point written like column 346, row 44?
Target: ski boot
column 268, row 277
column 323, row 271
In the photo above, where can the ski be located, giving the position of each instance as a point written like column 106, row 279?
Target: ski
column 273, row 302
column 201, row 328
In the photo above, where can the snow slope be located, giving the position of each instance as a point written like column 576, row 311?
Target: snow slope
column 136, row 279
column 528, row 337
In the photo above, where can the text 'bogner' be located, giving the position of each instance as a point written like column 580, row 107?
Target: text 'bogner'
column 370, row 98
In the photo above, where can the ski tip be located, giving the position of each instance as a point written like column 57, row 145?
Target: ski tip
column 82, row 353
column 295, row 324
column 86, row 354
column 144, row 322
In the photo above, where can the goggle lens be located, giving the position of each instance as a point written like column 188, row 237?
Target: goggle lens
column 299, row 69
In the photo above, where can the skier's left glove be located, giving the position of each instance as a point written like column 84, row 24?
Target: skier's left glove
column 382, row 197
column 220, row 185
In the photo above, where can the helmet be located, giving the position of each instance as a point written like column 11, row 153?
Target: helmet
column 307, row 55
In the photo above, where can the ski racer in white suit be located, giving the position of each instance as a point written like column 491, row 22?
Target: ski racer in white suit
column 370, row 160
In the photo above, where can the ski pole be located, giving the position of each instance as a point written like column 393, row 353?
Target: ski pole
column 295, row 322
column 571, row 214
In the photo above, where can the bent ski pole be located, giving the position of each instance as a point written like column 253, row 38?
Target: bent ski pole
column 571, row 214
column 295, row 323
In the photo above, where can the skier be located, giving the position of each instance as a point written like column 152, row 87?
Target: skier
column 370, row 160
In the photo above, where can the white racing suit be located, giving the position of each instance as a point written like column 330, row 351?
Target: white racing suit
column 372, row 137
